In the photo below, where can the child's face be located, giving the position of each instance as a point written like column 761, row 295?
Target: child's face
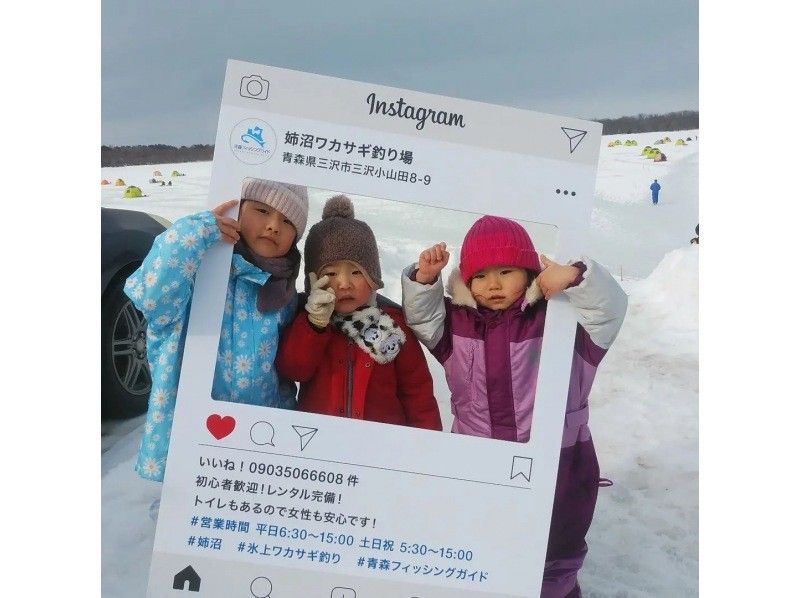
column 348, row 282
column 498, row 287
column 266, row 231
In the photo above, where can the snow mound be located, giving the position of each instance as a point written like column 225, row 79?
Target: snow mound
column 644, row 421
column 671, row 293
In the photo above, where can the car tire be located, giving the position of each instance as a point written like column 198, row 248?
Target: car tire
column 125, row 373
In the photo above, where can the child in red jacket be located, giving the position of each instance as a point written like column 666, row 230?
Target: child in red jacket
column 352, row 357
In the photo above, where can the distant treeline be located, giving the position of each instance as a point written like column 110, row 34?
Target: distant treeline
column 644, row 123
column 131, row 155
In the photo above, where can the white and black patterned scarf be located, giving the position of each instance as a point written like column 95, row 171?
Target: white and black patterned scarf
column 373, row 330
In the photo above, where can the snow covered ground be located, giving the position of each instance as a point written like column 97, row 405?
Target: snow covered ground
column 644, row 539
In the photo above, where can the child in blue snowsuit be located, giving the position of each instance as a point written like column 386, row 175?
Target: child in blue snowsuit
column 654, row 189
column 261, row 301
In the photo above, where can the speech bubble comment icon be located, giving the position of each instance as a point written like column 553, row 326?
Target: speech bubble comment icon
column 261, row 587
column 343, row 593
column 262, row 433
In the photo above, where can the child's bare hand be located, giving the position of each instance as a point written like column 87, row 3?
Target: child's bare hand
column 228, row 227
column 431, row 262
column 554, row 277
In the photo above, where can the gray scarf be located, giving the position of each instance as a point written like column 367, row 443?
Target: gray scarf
column 279, row 288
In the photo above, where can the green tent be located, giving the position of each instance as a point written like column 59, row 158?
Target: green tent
column 132, row 192
column 618, row 142
column 658, row 142
column 680, row 142
column 176, row 173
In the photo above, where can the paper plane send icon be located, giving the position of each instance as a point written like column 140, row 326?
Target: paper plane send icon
column 305, row 434
column 575, row 137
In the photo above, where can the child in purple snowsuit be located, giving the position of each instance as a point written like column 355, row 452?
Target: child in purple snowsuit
column 488, row 336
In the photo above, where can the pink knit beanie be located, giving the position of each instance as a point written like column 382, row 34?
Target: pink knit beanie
column 495, row 241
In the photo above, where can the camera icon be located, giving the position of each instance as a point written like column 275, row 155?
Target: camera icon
column 253, row 86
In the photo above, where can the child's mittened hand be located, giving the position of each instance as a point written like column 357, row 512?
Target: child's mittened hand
column 431, row 262
column 320, row 302
column 228, row 227
column 554, row 277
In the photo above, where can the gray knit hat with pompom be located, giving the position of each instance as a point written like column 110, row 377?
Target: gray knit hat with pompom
column 339, row 236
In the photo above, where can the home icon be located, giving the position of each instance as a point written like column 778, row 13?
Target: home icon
column 187, row 575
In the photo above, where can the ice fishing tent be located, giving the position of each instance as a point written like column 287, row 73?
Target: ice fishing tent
column 680, row 142
column 618, row 142
column 667, row 140
column 659, row 157
column 104, row 182
column 611, row 144
column 659, row 142
column 132, row 192
column 647, row 149
column 630, row 142
column 119, row 183
column 157, row 173
column 176, row 173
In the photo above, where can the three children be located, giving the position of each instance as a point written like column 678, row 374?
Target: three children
column 488, row 336
column 353, row 352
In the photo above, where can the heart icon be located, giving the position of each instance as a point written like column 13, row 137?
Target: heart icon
column 220, row 426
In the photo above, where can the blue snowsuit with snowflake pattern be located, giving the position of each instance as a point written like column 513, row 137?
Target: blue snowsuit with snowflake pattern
column 162, row 290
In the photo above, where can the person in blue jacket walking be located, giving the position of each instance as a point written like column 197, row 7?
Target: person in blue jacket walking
column 261, row 301
column 655, row 188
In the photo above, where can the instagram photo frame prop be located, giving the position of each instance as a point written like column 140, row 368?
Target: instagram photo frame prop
column 264, row 502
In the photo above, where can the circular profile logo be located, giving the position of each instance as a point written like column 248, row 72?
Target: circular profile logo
column 253, row 141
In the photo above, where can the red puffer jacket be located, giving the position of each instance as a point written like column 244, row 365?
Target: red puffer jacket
column 338, row 378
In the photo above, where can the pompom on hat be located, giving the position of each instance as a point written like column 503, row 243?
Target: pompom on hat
column 339, row 236
column 494, row 241
column 290, row 200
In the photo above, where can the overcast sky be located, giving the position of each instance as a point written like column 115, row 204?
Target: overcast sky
column 163, row 62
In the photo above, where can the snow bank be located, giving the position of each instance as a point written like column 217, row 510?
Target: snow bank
column 644, row 539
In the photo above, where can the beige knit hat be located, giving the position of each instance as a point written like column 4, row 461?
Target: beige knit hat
column 291, row 200
column 339, row 236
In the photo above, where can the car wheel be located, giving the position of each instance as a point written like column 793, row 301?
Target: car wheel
column 125, row 373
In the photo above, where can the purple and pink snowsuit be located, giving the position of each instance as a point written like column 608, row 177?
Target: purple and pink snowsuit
column 491, row 361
